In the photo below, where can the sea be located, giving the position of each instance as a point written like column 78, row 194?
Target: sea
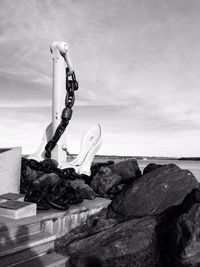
column 193, row 166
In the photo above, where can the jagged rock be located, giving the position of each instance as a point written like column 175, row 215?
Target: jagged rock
column 153, row 193
column 131, row 243
column 46, row 179
column 151, row 167
column 184, row 238
column 104, row 181
column 84, row 190
column 109, row 177
column 93, row 225
column 96, row 166
column 127, row 169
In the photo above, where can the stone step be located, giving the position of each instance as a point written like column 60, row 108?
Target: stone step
column 11, row 232
column 53, row 221
column 52, row 259
column 25, row 247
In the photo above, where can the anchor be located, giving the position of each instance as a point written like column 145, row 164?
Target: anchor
column 62, row 102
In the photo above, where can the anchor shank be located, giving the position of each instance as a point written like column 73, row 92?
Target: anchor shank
column 58, row 97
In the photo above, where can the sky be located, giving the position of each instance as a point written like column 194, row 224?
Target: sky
column 137, row 63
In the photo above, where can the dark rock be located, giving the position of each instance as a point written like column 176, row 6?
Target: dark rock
column 109, row 177
column 83, row 189
column 46, row 179
column 153, row 193
column 100, row 224
column 96, row 166
column 104, row 180
column 127, row 169
column 184, row 237
column 130, row 243
column 116, row 190
column 93, row 225
column 151, row 167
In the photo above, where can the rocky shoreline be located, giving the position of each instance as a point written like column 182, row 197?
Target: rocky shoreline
column 152, row 220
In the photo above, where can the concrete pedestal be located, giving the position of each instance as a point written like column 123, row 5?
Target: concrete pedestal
column 10, row 168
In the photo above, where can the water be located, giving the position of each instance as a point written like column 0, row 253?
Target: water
column 193, row 166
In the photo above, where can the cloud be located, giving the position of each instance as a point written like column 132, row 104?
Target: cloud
column 138, row 60
column 125, row 131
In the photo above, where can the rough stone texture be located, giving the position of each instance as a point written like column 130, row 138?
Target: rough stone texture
column 184, row 237
column 109, row 177
column 97, row 165
column 94, row 224
column 151, row 167
column 153, row 193
column 104, row 180
column 130, row 243
column 85, row 191
column 61, row 223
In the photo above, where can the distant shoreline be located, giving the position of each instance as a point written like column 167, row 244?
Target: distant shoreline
column 112, row 157
column 144, row 157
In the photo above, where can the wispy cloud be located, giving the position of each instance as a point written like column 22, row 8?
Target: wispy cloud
column 141, row 58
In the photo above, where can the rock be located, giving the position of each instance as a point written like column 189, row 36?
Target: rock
column 116, row 189
column 184, row 237
column 153, row 193
column 127, row 169
column 93, row 225
column 84, row 190
column 46, row 179
column 130, row 243
column 96, row 166
column 104, row 180
column 109, row 177
column 100, row 224
column 151, row 167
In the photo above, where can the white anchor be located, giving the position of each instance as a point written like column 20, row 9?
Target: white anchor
column 91, row 140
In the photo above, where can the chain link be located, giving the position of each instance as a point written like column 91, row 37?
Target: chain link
column 71, row 86
column 61, row 194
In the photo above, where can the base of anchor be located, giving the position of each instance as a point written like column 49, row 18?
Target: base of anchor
column 90, row 144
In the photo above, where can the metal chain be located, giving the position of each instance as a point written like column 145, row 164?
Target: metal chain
column 61, row 194
column 58, row 195
column 71, row 86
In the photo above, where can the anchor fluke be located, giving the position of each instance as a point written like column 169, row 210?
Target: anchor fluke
column 90, row 144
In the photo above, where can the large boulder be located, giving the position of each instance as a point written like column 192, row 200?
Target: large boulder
column 151, row 167
column 131, row 243
column 107, row 180
column 93, row 225
column 184, row 238
column 153, row 193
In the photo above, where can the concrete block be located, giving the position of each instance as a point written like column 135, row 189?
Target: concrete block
column 17, row 209
column 10, row 169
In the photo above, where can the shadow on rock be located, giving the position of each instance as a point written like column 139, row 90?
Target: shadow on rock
column 177, row 233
